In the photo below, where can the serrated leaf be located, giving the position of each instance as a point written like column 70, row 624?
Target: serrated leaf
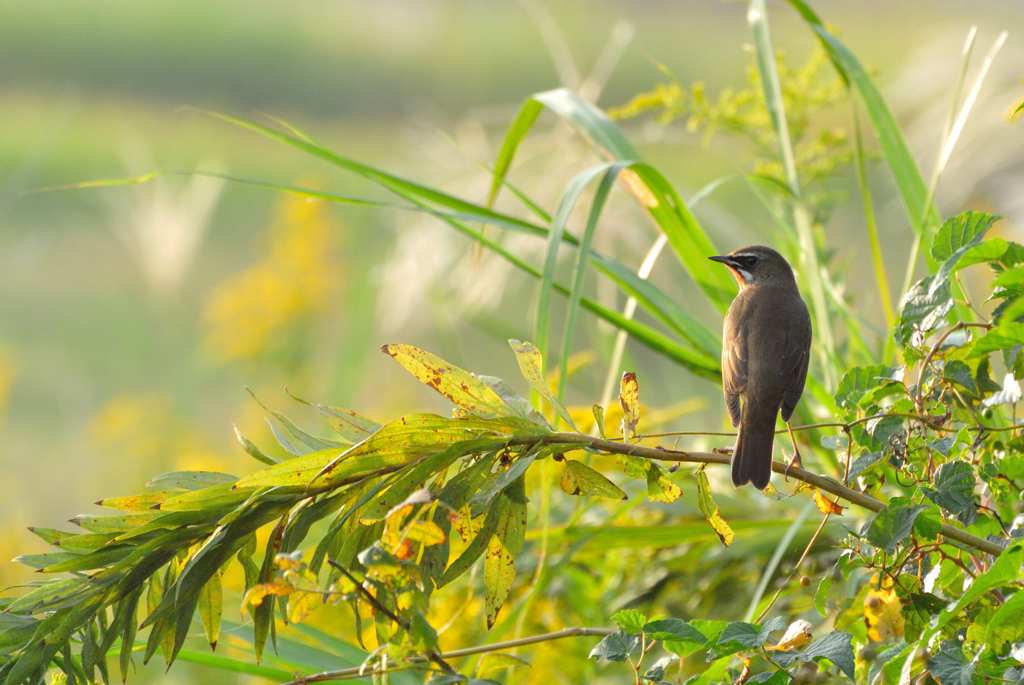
column 892, row 526
column 630, row 620
column 1005, row 335
column 461, row 387
column 710, row 509
column 531, row 366
column 673, row 629
column 1007, row 625
column 615, row 647
column 960, row 231
column 580, row 479
column 954, row 490
column 837, row 647
column 629, row 400
column 858, row 382
column 960, row 373
column 952, row 668
column 923, row 309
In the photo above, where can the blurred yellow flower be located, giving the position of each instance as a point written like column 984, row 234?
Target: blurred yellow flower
column 255, row 312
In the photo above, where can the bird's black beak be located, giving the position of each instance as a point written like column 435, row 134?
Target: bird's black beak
column 724, row 259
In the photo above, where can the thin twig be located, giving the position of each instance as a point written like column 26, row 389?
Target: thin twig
column 346, row 673
column 935, row 348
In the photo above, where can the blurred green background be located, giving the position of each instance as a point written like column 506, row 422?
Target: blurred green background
column 133, row 318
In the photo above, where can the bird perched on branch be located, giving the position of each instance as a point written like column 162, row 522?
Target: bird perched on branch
column 765, row 349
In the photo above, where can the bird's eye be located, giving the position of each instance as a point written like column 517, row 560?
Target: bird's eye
column 750, row 261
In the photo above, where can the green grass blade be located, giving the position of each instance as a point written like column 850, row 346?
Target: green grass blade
column 580, row 272
column 520, row 127
column 894, row 147
column 809, row 264
column 757, row 17
column 688, row 238
column 542, row 327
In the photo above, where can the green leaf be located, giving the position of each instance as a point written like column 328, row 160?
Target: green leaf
column 580, row 479
column 954, row 491
column 252, row 450
column 599, row 420
column 1007, row 625
column 895, row 151
column 566, row 203
column 615, row 647
column 496, row 662
column 893, row 525
column 960, row 373
column 580, row 270
column 661, row 489
column 191, row 480
column 673, row 629
column 952, row 668
column 351, row 426
column 837, row 647
column 822, row 594
column 461, row 387
column 710, row 509
column 507, row 542
column 858, row 382
column 1005, row 335
column 630, row 620
column 960, row 231
column 924, row 309
column 211, row 607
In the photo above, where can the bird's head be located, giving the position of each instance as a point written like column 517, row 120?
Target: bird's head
column 757, row 265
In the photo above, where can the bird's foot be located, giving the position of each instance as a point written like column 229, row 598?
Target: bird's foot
column 795, row 461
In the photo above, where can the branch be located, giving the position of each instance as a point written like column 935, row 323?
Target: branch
column 821, row 482
column 346, row 673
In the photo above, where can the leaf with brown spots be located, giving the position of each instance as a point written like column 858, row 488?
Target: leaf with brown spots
column 459, row 386
column 503, row 546
column 580, row 479
column 710, row 509
column 659, row 487
column 629, row 398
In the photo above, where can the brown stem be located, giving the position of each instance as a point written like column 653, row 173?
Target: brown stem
column 821, row 482
column 935, row 348
column 347, row 673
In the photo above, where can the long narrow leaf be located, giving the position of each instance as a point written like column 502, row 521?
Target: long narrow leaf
column 895, row 150
column 579, row 276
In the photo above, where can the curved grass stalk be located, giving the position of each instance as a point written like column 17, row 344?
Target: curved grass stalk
column 773, row 563
column 954, row 127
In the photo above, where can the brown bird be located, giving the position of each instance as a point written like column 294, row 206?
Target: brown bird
column 765, row 349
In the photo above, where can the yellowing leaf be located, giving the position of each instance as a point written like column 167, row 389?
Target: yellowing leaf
column 580, row 479
column 531, row 365
column 710, row 509
column 287, row 562
column 257, row 593
column 797, row 635
column 507, row 541
column 629, row 398
column 426, row 532
column 301, row 604
column 659, row 487
column 827, row 506
column 459, row 386
column 883, row 612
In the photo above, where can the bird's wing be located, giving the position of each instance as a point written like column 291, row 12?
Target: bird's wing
column 796, row 354
column 734, row 368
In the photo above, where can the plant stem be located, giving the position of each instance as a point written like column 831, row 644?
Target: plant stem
column 821, row 482
column 355, row 672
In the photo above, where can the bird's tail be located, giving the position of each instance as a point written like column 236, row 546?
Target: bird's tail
column 752, row 458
